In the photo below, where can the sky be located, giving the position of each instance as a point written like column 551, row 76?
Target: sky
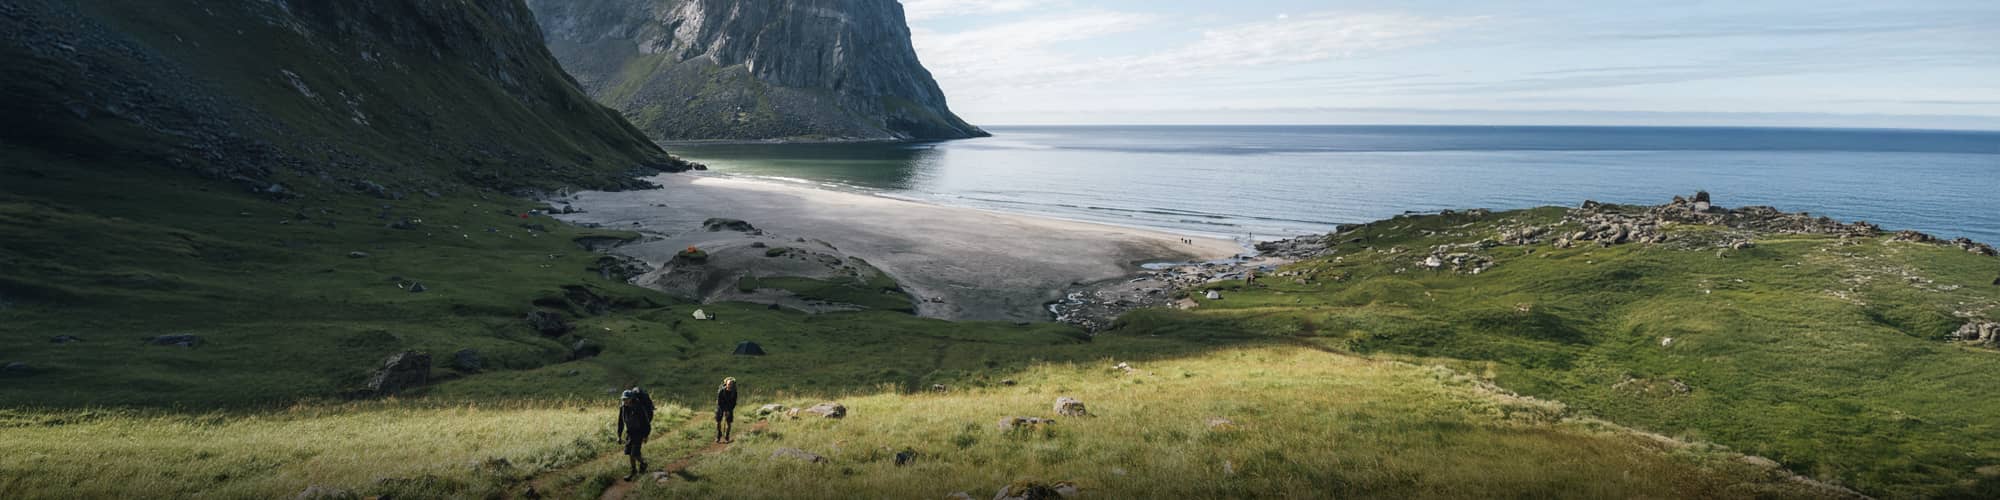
column 1890, row 64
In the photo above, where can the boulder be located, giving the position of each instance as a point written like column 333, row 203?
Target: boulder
column 585, row 348
column 1036, row 490
column 722, row 224
column 182, row 340
column 401, row 371
column 1979, row 332
column 798, row 454
column 1220, row 424
column 828, row 410
column 357, row 254
column 1070, row 407
column 1009, row 424
column 958, row 496
column 64, row 339
column 549, row 323
column 770, row 409
column 467, row 360
column 318, row 492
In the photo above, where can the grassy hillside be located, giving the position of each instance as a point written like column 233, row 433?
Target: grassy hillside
column 1828, row 355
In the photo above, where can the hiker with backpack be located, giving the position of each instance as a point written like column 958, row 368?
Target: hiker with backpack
column 725, row 410
column 635, row 424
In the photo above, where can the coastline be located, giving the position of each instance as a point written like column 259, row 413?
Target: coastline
column 960, row 263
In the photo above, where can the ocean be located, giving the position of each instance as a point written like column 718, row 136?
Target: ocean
column 1265, row 182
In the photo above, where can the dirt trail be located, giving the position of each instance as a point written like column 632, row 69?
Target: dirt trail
column 619, row 489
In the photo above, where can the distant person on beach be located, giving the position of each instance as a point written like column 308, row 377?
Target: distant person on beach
column 725, row 410
column 635, row 424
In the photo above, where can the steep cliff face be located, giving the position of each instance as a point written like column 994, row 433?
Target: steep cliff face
column 766, row 69
column 397, row 96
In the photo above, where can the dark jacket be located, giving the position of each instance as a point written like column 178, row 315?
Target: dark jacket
column 725, row 400
column 636, row 419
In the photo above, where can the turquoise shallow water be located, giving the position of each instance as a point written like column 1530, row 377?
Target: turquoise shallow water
column 1268, row 181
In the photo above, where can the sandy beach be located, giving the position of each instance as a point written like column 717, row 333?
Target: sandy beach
column 960, row 263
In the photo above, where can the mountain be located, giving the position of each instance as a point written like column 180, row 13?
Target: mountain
column 770, row 69
column 372, row 95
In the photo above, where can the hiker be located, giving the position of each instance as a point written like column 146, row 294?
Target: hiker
column 635, row 424
column 725, row 410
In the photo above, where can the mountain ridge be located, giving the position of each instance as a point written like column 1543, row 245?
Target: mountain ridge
column 813, row 70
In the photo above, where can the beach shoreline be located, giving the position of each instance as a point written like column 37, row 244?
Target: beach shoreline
column 960, row 263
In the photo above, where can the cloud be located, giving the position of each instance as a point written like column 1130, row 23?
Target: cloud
column 917, row 10
column 1030, row 54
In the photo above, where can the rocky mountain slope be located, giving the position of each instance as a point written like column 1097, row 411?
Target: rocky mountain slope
column 729, row 70
column 387, row 97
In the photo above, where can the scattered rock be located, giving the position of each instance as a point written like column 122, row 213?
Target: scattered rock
column 585, row 348
column 721, row 224
column 357, row 255
column 318, row 492
column 467, row 360
column 551, row 324
column 1123, row 367
column 1070, row 407
column 1009, row 424
column 1985, row 333
column 1220, row 424
column 828, row 410
column 64, row 339
column 176, row 340
column 1036, row 490
column 795, row 453
column 401, row 371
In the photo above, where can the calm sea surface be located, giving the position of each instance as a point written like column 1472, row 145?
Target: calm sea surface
column 1238, row 181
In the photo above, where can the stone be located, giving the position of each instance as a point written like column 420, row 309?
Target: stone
column 1027, row 489
column 1008, row 381
column 1123, row 367
column 16, row 368
column 721, row 224
column 1070, row 407
column 939, row 388
column 1213, row 295
column 958, row 496
column 585, row 348
column 758, row 244
column 467, row 360
column 1010, row 424
column 1979, row 332
column 403, row 370
column 357, row 254
column 550, row 324
column 1220, row 424
column 798, row 454
column 64, row 339
column 182, row 340
column 1759, row 461
column 318, row 492
column 828, row 410
column 770, row 409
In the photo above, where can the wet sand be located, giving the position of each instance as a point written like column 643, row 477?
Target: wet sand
column 961, row 263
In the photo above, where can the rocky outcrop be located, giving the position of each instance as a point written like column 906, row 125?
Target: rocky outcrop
column 769, row 69
column 1070, row 407
column 1985, row 333
column 403, row 370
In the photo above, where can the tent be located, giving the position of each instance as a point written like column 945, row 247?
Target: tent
column 702, row 315
column 1213, row 295
column 748, row 348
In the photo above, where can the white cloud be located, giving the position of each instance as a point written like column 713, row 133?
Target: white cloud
column 931, row 9
column 995, row 64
